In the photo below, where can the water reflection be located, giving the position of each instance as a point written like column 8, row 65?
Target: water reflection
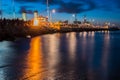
column 34, row 61
column 52, row 54
column 4, row 49
column 91, row 53
column 72, row 46
column 105, row 57
column 67, row 56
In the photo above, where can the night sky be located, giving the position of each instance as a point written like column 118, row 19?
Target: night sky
column 98, row 10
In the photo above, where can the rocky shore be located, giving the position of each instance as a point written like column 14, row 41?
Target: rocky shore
column 12, row 29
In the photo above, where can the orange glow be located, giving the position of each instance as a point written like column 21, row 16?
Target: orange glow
column 56, row 25
column 34, row 62
column 36, row 22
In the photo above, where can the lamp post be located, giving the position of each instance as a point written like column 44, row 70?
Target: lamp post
column 1, row 8
column 48, row 10
column 74, row 15
column 14, row 15
column 52, row 11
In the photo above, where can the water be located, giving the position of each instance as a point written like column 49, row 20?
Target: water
column 68, row 56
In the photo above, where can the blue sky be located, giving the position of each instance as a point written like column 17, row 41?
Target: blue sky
column 99, row 10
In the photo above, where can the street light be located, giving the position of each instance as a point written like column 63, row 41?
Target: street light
column 74, row 15
column 52, row 11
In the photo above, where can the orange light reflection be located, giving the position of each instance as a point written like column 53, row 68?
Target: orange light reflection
column 34, row 62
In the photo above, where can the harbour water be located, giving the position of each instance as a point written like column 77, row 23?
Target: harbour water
column 67, row 56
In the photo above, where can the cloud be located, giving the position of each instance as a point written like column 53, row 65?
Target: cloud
column 51, row 2
column 26, row 1
column 69, row 7
column 109, row 5
column 23, row 9
column 76, row 7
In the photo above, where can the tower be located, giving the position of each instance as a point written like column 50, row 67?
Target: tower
column 24, row 16
column 84, row 19
column 35, row 14
column 36, row 22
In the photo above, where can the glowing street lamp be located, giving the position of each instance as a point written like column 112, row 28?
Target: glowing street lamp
column 73, row 15
column 53, row 11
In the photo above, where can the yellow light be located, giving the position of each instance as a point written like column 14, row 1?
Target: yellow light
column 36, row 22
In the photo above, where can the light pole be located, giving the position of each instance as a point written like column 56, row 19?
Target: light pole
column 52, row 11
column 48, row 13
column 14, row 15
column 73, row 16
column 1, row 8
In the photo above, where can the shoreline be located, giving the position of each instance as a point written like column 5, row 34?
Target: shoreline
column 12, row 29
column 32, row 32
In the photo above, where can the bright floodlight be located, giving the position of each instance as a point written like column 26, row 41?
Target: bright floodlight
column 53, row 11
column 36, row 22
